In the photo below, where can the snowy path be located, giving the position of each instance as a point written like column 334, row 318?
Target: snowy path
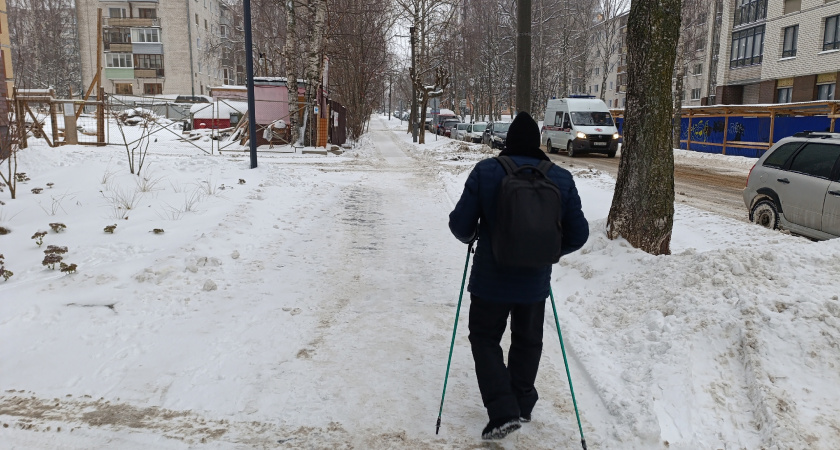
column 312, row 307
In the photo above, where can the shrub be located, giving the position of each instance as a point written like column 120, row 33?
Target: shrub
column 58, row 227
column 50, row 260
column 39, row 237
column 68, row 268
column 110, row 228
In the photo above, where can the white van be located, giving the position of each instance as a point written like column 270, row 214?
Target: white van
column 579, row 125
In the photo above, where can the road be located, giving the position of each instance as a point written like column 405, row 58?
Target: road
column 714, row 188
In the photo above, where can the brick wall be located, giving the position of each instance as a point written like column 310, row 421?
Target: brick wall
column 730, row 95
column 804, row 88
column 767, row 91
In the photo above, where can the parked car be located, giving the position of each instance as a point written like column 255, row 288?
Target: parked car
column 428, row 124
column 580, row 124
column 487, row 135
column 795, row 185
column 445, row 128
column 442, row 116
column 498, row 135
column 460, row 131
column 476, row 132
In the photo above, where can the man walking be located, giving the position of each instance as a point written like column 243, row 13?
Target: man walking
column 498, row 290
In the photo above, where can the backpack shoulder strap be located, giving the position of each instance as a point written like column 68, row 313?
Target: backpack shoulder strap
column 507, row 164
column 544, row 166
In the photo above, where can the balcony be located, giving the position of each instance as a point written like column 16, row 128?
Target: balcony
column 130, row 22
column 117, row 47
column 148, row 73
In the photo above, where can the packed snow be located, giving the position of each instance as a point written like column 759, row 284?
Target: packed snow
column 309, row 303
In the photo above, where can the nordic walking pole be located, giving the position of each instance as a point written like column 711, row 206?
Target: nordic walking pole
column 563, row 348
column 452, row 345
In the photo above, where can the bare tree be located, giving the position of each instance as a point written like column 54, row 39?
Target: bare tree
column 607, row 36
column 290, row 57
column 359, row 58
column 46, row 52
column 642, row 209
column 428, row 92
column 690, row 51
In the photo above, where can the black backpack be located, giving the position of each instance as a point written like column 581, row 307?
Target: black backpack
column 529, row 212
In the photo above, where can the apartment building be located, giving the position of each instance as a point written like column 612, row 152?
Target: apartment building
column 152, row 47
column 6, row 49
column 778, row 51
column 698, row 57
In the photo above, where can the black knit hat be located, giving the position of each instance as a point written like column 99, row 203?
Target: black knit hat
column 523, row 133
column 523, row 138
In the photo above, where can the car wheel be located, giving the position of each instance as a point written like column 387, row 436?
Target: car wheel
column 570, row 149
column 549, row 147
column 766, row 214
column 611, row 154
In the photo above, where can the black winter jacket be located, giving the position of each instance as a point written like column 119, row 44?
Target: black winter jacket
column 488, row 280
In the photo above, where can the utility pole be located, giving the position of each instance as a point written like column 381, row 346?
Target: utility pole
column 249, row 71
column 413, row 117
column 390, row 82
column 523, row 55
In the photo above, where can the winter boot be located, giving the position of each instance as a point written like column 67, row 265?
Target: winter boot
column 499, row 428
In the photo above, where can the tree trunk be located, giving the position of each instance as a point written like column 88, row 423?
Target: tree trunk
column 291, row 73
column 679, row 91
column 642, row 210
column 314, row 66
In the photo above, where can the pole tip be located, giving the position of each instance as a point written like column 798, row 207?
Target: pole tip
column 583, row 443
column 437, row 426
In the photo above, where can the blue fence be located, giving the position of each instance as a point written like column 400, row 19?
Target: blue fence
column 707, row 132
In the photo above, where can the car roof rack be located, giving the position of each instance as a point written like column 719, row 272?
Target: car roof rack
column 817, row 134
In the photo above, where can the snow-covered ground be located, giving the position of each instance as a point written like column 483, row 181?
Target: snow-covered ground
column 309, row 303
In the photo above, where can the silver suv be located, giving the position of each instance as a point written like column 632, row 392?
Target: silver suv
column 795, row 186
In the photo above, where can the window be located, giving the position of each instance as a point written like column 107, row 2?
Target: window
column 196, row 17
column 117, row 36
column 789, row 46
column 831, row 38
column 148, row 61
column 147, row 13
column 748, row 11
column 780, row 156
column 695, row 94
column 205, row 24
column 816, row 160
column 121, row 60
column 697, row 69
column 610, row 103
column 747, row 47
column 558, row 118
column 596, row 87
column 783, row 95
column 611, row 85
column 700, row 45
column 124, row 88
column 116, row 13
column 223, row 30
column 153, row 89
column 597, row 71
column 145, row 35
column 825, row 91
column 792, row 6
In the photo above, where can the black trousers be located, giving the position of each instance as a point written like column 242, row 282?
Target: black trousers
column 506, row 390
